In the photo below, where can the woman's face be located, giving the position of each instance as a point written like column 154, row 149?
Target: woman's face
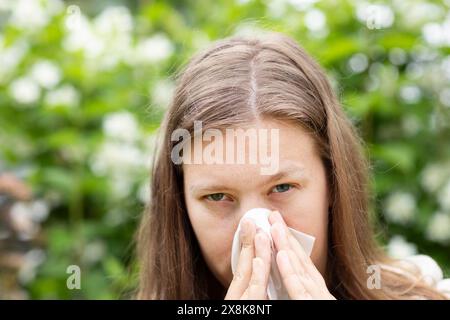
column 218, row 195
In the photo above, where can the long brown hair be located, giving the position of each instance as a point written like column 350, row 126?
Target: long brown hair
column 235, row 81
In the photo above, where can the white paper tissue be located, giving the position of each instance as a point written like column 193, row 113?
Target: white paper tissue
column 276, row 289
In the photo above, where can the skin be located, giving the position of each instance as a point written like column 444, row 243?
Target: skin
column 218, row 195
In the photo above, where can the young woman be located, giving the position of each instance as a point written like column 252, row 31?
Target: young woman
column 320, row 187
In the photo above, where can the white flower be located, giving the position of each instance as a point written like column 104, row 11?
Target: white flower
column 399, row 248
column 10, row 57
column 26, row 216
column 444, row 97
column 54, row 7
column 397, row 56
column 25, row 90
column 154, row 49
column 115, row 158
column 276, row 8
column 410, row 94
column 315, row 20
column 248, row 29
column 445, row 66
column 302, row 5
column 375, row 16
column 114, row 21
column 30, row 15
column 418, row 13
column 437, row 34
column 65, row 95
column 82, row 37
column 415, row 70
column 200, row 40
column 39, row 210
column 444, row 197
column 114, row 26
column 121, row 125
column 73, row 15
column 358, row 63
column 434, row 175
column 438, row 228
column 162, row 93
column 400, row 207
column 93, row 252
column 105, row 42
column 5, row 5
column 46, row 73
column 121, row 185
column 21, row 221
column 143, row 193
column 33, row 259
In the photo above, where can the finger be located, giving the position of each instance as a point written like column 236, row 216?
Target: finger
column 243, row 270
column 282, row 235
column 298, row 249
column 282, row 242
column 275, row 216
column 263, row 247
column 279, row 237
column 291, row 280
column 245, row 295
column 258, row 282
column 263, row 250
column 296, row 264
column 311, row 286
column 307, row 265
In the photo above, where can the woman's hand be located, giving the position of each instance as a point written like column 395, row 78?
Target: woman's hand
column 300, row 276
column 252, row 272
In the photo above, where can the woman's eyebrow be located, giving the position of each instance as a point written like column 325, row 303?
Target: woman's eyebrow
column 292, row 171
column 208, row 187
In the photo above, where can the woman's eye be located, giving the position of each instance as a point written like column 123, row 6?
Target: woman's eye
column 282, row 188
column 216, row 196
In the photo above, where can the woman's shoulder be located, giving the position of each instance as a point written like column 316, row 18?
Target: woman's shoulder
column 428, row 270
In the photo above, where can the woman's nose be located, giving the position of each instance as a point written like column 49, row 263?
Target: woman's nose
column 254, row 202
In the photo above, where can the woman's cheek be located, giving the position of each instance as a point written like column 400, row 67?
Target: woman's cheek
column 302, row 215
column 217, row 253
column 215, row 236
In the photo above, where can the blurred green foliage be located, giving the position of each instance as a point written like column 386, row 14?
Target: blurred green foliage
column 83, row 87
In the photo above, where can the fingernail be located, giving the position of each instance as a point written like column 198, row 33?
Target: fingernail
column 245, row 227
